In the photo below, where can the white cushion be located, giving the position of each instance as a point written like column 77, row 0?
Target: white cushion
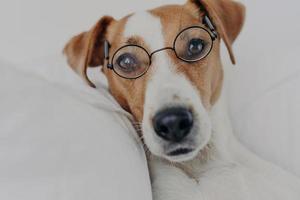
column 59, row 141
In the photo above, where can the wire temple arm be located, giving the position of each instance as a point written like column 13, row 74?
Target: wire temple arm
column 106, row 49
column 210, row 25
column 106, row 54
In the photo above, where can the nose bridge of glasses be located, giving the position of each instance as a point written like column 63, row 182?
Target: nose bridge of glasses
column 162, row 49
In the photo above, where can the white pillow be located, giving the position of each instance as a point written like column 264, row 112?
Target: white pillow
column 63, row 142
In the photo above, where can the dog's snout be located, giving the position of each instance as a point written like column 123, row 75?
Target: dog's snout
column 173, row 124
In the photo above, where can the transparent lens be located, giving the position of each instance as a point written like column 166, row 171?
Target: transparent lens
column 131, row 62
column 193, row 44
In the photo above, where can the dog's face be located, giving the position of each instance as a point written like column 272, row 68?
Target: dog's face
column 173, row 99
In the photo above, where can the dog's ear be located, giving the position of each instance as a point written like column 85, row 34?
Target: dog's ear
column 228, row 16
column 86, row 49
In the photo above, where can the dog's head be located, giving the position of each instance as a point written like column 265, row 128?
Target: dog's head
column 169, row 91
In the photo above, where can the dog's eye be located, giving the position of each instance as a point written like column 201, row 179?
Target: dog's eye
column 193, row 44
column 127, row 62
column 131, row 61
column 195, row 47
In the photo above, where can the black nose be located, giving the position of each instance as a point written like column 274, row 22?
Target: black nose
column 173, row 124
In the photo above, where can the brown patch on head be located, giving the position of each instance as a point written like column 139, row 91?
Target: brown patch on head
column 175, row 18
column 228, row 17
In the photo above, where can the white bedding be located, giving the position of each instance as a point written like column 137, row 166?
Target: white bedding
column 68, row 142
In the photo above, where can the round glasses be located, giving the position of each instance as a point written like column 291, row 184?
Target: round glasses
column 190, row 45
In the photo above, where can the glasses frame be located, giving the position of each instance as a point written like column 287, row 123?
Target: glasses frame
column 212, row 32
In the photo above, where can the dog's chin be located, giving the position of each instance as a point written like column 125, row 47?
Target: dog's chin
column 181, row 153
column 186, row 155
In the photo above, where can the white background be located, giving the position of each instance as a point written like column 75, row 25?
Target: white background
column 35, row 28
column 263, row 89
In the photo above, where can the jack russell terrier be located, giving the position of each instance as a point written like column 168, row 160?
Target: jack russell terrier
column 164, row 67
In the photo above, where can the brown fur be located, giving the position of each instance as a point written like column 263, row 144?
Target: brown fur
column 206, row 75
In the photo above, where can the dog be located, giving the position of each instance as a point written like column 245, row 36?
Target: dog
column 163, row 66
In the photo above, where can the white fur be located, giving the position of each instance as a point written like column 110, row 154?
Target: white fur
column 231, row 172
column 148, row 27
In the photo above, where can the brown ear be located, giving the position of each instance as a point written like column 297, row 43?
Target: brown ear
column 86, row 49
column 228, row 16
